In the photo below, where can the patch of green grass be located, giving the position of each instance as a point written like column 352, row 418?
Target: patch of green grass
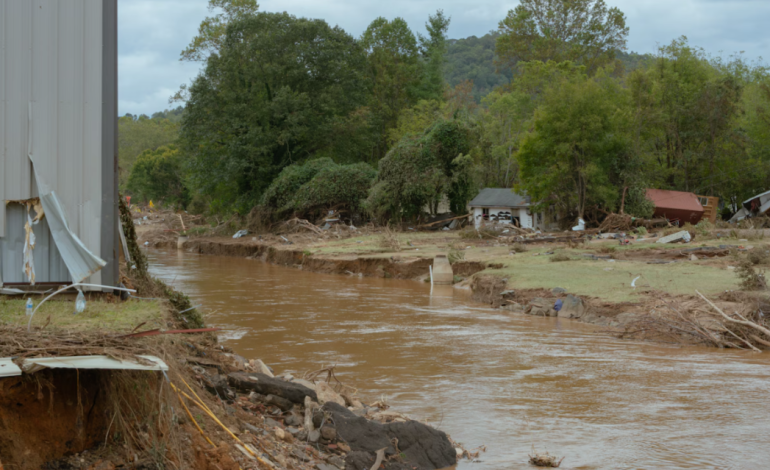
column 611, row 281
column 99, row 315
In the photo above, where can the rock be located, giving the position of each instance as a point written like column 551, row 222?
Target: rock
column 217, row 385
column 271, row 423
column 252, row 429
column 558, row 290
column 314, row 435
column 305, row 383
column 300, row 455
column 293, row 420
column 262, row 368
column 508, row 294
column 261, row 383
column 325, row 466
column 336, row 461
column 326, row 393
column 328, row 433
column 284, row 435
column 421, row 445
column 572, row 307
column 282, row 403
column 514, row 307
column 318, row 418
column 626, row 318
column 301, row 435
column 693, row 257
column 539, row 307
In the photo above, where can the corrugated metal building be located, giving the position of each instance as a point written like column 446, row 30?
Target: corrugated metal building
column 58, row 109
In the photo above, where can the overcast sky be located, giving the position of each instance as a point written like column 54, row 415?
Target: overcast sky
column 153, row 32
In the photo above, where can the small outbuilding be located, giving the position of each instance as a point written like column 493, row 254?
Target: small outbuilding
column 502, row 206
column 676, row 206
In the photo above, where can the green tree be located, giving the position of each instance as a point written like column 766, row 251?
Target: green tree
column 578, row 152
column 433, row 49
column 137, row 134
column 419, row 171
column 473, row 59
column 158, row 175
column 274, row 95
column 690, row 119
column 394, row 74
column 585, row 32
column 212, row 30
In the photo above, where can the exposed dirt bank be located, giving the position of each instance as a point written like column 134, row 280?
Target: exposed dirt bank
column 396, row 267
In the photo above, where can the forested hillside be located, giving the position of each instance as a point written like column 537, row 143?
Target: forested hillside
column 294, row 117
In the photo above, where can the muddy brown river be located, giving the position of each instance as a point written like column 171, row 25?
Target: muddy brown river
column 489, row 377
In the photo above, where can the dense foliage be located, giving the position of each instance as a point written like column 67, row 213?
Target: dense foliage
column 157, row 176
column 272, row 96
column 294, row 115
column 139, row 133
column 318, row 186
column 419, row 171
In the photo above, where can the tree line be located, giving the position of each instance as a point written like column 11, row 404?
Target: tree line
column 298, row 117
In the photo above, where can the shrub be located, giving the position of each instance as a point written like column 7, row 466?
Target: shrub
column 281, row 191
column 559, row 257
column 519, row 248
column 389, row 240
column 338, row 185
column 455, row 255
column 751, row 279
column 758, row 256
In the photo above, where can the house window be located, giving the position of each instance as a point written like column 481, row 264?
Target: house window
column 539, row 217
column 485, row 211
column 704, row 201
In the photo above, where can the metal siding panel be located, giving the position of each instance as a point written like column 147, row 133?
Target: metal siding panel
column 52, row 55
column 12, row 245
column 91, row 223
column 109, row 175
column 17, row 30
column 3, row 70
column 49, row 266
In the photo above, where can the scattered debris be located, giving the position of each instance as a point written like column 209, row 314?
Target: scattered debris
column 544, row 460
column 683, row 236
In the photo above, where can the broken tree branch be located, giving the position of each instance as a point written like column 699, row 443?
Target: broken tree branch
column 744, row 321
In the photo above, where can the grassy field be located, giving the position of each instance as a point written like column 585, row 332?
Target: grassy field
column 609, row 280
column 99, row 314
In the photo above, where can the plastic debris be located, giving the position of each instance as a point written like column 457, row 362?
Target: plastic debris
column 241, row 233
column 80, row 303
column 580, row 226
column 683, row 236
column 633, row 283
column 29, row 307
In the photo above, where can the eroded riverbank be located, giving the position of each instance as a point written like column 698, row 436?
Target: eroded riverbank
column 489, row 376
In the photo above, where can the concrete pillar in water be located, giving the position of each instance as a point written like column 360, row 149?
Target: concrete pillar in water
column 180, row 243
column 442, row 271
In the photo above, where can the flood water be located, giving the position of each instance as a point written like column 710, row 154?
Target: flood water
column 489, row 377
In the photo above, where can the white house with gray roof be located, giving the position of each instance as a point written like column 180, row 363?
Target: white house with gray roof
column 503, row 206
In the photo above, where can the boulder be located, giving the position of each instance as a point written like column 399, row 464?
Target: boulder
column 421, row 445
column 326, row 393
column 572, row 307
column 262, row 384
column 513, row 307
column 558, row 290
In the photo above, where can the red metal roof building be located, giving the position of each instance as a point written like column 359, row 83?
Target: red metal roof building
column 676, row 206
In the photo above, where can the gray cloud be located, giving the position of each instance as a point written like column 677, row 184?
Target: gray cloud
column 153, row 32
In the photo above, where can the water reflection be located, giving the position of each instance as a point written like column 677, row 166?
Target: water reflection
column 488, row 377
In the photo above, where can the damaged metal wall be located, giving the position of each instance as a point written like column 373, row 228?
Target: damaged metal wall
column 58, row 104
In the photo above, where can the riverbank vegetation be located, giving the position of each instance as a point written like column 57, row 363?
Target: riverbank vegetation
column 573, row 120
